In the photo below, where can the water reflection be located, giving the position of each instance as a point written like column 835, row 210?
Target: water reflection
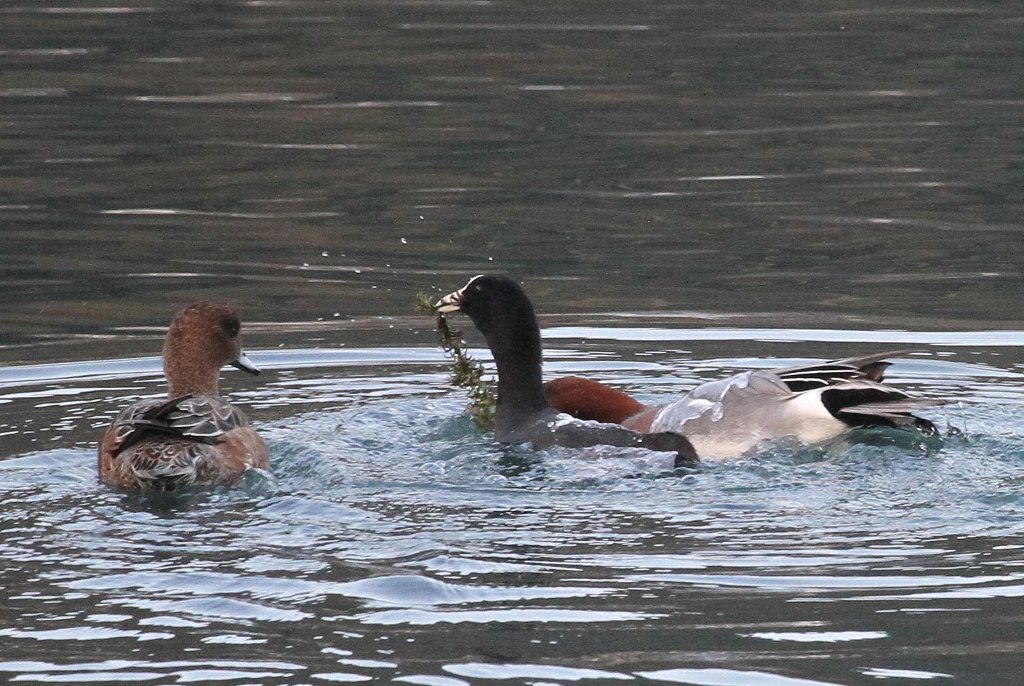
column 542, row 144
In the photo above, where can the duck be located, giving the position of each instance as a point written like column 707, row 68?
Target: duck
column 191, row 437
column 502, row 312
column 732, row 416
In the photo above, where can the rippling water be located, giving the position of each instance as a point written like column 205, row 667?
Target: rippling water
column 395, row 542
column 687, row 190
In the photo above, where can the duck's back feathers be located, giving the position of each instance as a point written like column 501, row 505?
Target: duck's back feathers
column 200, row 419
column 163, row 445
column 807, row 377
column 812, row 403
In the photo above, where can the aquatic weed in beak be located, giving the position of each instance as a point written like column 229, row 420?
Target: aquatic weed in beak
column 466, row 372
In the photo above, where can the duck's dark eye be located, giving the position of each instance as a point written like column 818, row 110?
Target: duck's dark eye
column 231, row 326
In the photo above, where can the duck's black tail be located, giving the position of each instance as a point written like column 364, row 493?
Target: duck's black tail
column 868, row 403
column 855, row 394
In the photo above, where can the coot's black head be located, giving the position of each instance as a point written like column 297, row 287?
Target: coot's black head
column 494, row 303
column 501, row 311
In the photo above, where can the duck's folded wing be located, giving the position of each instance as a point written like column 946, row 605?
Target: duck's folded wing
column 868, row 403
column 201, row 419
column 808, row 377
column 205, row 417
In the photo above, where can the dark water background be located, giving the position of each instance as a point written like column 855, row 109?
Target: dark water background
column 686, row 188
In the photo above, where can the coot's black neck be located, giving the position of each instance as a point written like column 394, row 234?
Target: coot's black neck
column 514, row 340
